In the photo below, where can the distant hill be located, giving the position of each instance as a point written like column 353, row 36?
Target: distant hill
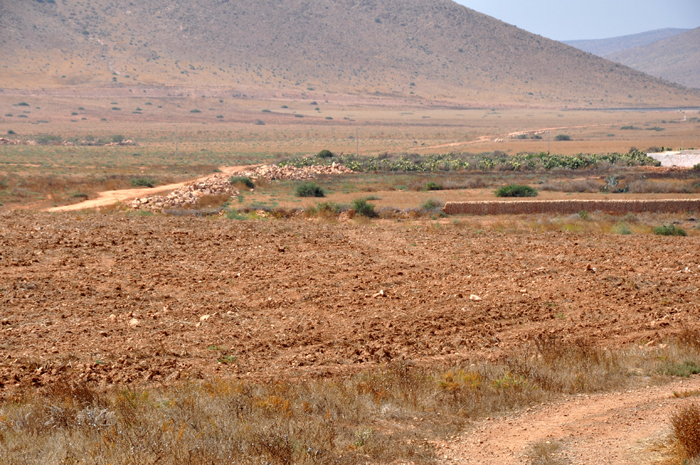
column 409, row 49
column 605, row 47
column 676, row 59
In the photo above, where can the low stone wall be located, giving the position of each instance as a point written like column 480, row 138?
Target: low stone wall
column 515, row 207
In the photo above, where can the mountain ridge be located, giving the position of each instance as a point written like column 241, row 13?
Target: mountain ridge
column 612, row 45
column 675, row 59
column 409, row 49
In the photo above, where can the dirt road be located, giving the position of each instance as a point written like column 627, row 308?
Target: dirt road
column 612, row 429
column 107, row 198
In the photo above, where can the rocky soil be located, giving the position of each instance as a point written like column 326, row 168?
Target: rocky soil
column 279, row 173
column 187, row 196
column 119, row 299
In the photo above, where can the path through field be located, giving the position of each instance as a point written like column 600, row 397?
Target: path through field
column 611, row 429
column 107, row 198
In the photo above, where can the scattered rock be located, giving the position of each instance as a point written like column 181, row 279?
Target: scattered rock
column 475, row 298
column 134, row 322
column 590, row 268
column 278, row 173
column 204, row 318
column 379, row 294
column 188, row 195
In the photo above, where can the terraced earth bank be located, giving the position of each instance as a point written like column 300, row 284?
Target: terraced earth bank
column 129, row 299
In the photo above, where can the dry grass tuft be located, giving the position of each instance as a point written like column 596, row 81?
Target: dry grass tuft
column 686, row 431
column 545, row 453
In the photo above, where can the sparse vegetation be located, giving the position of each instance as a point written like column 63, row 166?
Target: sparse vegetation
column 363, row 208
column 685, row 424
column 669, row 230
column 143, row 182
column 562, row 137
column 515, row 190
column 242, row 181
column 309, row 189
column 325, row 154
column 433, row 186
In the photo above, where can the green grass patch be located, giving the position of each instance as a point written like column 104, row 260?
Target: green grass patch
column 669, row 230
column 309, row 189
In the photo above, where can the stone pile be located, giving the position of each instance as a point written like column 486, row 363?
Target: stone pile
column 278, row 173
column 188, row 195
column 4, row 141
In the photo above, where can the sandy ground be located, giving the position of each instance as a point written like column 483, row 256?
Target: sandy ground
column 616, row 429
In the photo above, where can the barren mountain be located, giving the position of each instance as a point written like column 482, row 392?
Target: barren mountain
column 605, row 47
column 402, row 48
column 676, row 59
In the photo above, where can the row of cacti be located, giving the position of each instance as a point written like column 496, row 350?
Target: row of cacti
column 489, row 162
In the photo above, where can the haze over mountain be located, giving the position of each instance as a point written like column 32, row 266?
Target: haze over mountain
column 402, row 48
column 676, row 59
column 605, row 47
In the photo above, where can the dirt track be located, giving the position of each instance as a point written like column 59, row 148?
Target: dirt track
column 122, row 299
column 108, row 198
column 614, row 429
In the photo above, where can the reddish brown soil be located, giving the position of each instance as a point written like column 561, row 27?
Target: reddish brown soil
column 297, row 297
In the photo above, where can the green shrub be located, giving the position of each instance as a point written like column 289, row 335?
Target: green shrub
column 259, row 122
column 696, row 167
column 683, row 370
column 431, row 186
column 562, row 137
column 515, row 190
column 143, row 182
column 267, row 111
column 669, row 230
column 118, row 138
column 195, row 111
column 432, row 204
column 244, row 180
column 622, row 228
column 309, row 189
column 583, row 214
column 12, row 133
column 325, row 154
column 22, row 104
column 363, row 208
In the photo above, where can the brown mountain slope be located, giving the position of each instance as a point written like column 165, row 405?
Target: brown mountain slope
column 605, row 47
column 676, row 59
column 404, row 48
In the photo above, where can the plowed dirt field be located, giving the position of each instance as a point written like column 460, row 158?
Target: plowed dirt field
column 121, row 299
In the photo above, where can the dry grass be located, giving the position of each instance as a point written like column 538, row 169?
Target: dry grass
column 545, row 453
column 377, row 417
column 686, row 431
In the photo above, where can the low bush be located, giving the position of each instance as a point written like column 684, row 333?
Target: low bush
column 669, row 230
column 325, row 154
column 515, row 190
column 364, row 208
column 432, row 204
column 432, row 186
column 562, row 137
column 12, row 133
column 309, row 189
column 242, row 180
column 143, row 182
column 695, row 168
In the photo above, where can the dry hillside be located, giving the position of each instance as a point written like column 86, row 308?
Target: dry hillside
column 675, row 59
column 403, row 48
column 605, row 47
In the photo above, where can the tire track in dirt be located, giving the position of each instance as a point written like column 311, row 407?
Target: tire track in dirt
column 108, row 198
column 614, row 429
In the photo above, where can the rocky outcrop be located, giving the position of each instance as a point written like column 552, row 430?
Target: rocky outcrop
column 187, row 196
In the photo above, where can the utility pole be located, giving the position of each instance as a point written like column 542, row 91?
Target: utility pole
column 357, row 139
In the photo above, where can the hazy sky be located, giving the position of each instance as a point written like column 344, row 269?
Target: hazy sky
column 590, row 19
